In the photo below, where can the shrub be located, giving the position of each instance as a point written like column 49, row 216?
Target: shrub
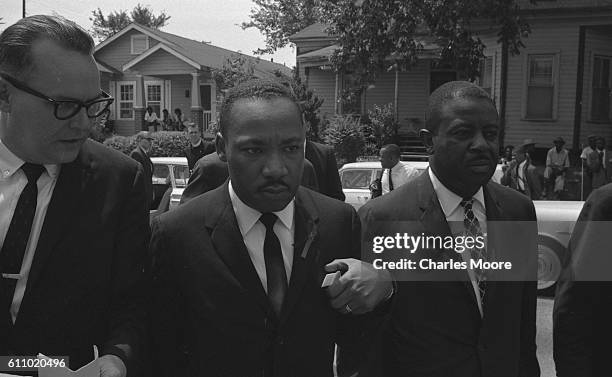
column 165, row 143
column 380, row 126
column 344, row 134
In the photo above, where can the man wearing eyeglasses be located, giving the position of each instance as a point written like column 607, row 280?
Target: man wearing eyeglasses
column 73, row 223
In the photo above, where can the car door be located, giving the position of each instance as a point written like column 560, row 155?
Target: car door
column 355, row 184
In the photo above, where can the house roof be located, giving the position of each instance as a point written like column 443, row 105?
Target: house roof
column 105, row 68
column 429, row 50
column 204, row 54
column 316, row 30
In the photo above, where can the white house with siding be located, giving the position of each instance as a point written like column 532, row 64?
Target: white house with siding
column 143, row 67
column 559, row 85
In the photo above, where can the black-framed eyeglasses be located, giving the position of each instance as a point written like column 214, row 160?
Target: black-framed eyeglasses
column 66, row 109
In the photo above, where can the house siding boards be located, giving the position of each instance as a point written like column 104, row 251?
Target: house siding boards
column 597, row 42
column 323, row 84
column 178, row 87
column 546, row 37
column 381, row 92
column 162, row 61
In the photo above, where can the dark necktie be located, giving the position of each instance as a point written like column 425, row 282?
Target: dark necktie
column 275, row 267
column 390, row 181
column 16, row 240
column 472, row 228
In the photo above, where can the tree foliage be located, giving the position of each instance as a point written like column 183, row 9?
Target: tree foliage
column 236, row 69
column 278, row 19
column 109, row 25
column 379, row 35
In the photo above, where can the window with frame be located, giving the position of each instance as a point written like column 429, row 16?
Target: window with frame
column 140, row 43
column 154, row 98
column 540, row 86
column 126, row 101
column 600, row 99
column 485, row 80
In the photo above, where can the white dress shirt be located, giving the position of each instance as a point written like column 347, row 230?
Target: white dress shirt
column 254, row 234
column 454, row 212
column 12, row 182
column 401, row 173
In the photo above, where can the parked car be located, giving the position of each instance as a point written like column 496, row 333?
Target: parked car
column 169, row 171
column 556, row 219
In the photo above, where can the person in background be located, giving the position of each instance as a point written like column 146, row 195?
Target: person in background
column 587, row 173
column 507, row 157
column 74, row 228
column 142, row 154
column 198, row 148
column 151, row 120
column 178, row 120
column 522, row 176
column 166, row 122
column 395, row 173
column 557, row 164
column 599, row 165
column 323, row 160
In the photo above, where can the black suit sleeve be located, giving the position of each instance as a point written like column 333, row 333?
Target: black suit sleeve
column 582, row 310
column 528, row 362
column 333, row 177
column 199, row 182
column 165, row 308
column 127, row 308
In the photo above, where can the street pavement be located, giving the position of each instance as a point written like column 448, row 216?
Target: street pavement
column 544, row 336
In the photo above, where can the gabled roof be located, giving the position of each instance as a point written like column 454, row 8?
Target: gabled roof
column 191, row 51
column 316, row 30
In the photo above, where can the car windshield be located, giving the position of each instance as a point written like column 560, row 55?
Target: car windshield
column 160, row 174
column 181, row 175
column 356, row 178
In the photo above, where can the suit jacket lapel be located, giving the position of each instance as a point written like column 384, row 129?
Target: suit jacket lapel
column 229, row 245
column 494, row 215
column 62, row 210
column 304, row 251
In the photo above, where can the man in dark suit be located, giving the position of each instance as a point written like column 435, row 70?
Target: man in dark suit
column 210, row 172
column 141, row 154
column 323, row 160
column 239, row 270
column 460, row 321
column 72, row 260
column 198, row 148
column 583, row 303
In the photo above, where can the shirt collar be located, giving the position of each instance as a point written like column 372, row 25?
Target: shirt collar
column 247, row 217
column 10, row 163
column 449, row 201
column 197, row 144
column 397, row 167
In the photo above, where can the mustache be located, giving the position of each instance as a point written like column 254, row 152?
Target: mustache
column 273, row 183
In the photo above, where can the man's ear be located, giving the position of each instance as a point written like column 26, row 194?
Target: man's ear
column 427, row 138
column 5, row 105
column 220, row 144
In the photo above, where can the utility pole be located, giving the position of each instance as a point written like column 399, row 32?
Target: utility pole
column 24, row 8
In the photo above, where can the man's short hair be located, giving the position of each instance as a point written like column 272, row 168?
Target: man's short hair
column 192, row 126
column 143, row 135
column 393, row 149
column 447, row 92
column 16, row 41
column 253, row 89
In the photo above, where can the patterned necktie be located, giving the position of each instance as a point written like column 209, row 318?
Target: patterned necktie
column 472, row 228
column 390, row 181
column 276, row 275
column 18, row 234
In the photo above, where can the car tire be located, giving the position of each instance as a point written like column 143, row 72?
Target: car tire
column 550, row 256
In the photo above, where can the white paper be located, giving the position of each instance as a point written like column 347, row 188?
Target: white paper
column 90, row 370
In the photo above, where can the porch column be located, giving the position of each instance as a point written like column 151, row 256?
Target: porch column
column 336, row 95
column 213, row 100
column 196, row 102
column 139, row 104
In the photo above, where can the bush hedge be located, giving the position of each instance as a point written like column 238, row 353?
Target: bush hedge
column 165, row 143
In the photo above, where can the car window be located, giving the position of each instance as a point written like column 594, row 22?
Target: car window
column 160, row 174
column 181, row 175
column 356, row 178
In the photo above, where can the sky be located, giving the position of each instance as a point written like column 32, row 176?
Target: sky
column 214, row 21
